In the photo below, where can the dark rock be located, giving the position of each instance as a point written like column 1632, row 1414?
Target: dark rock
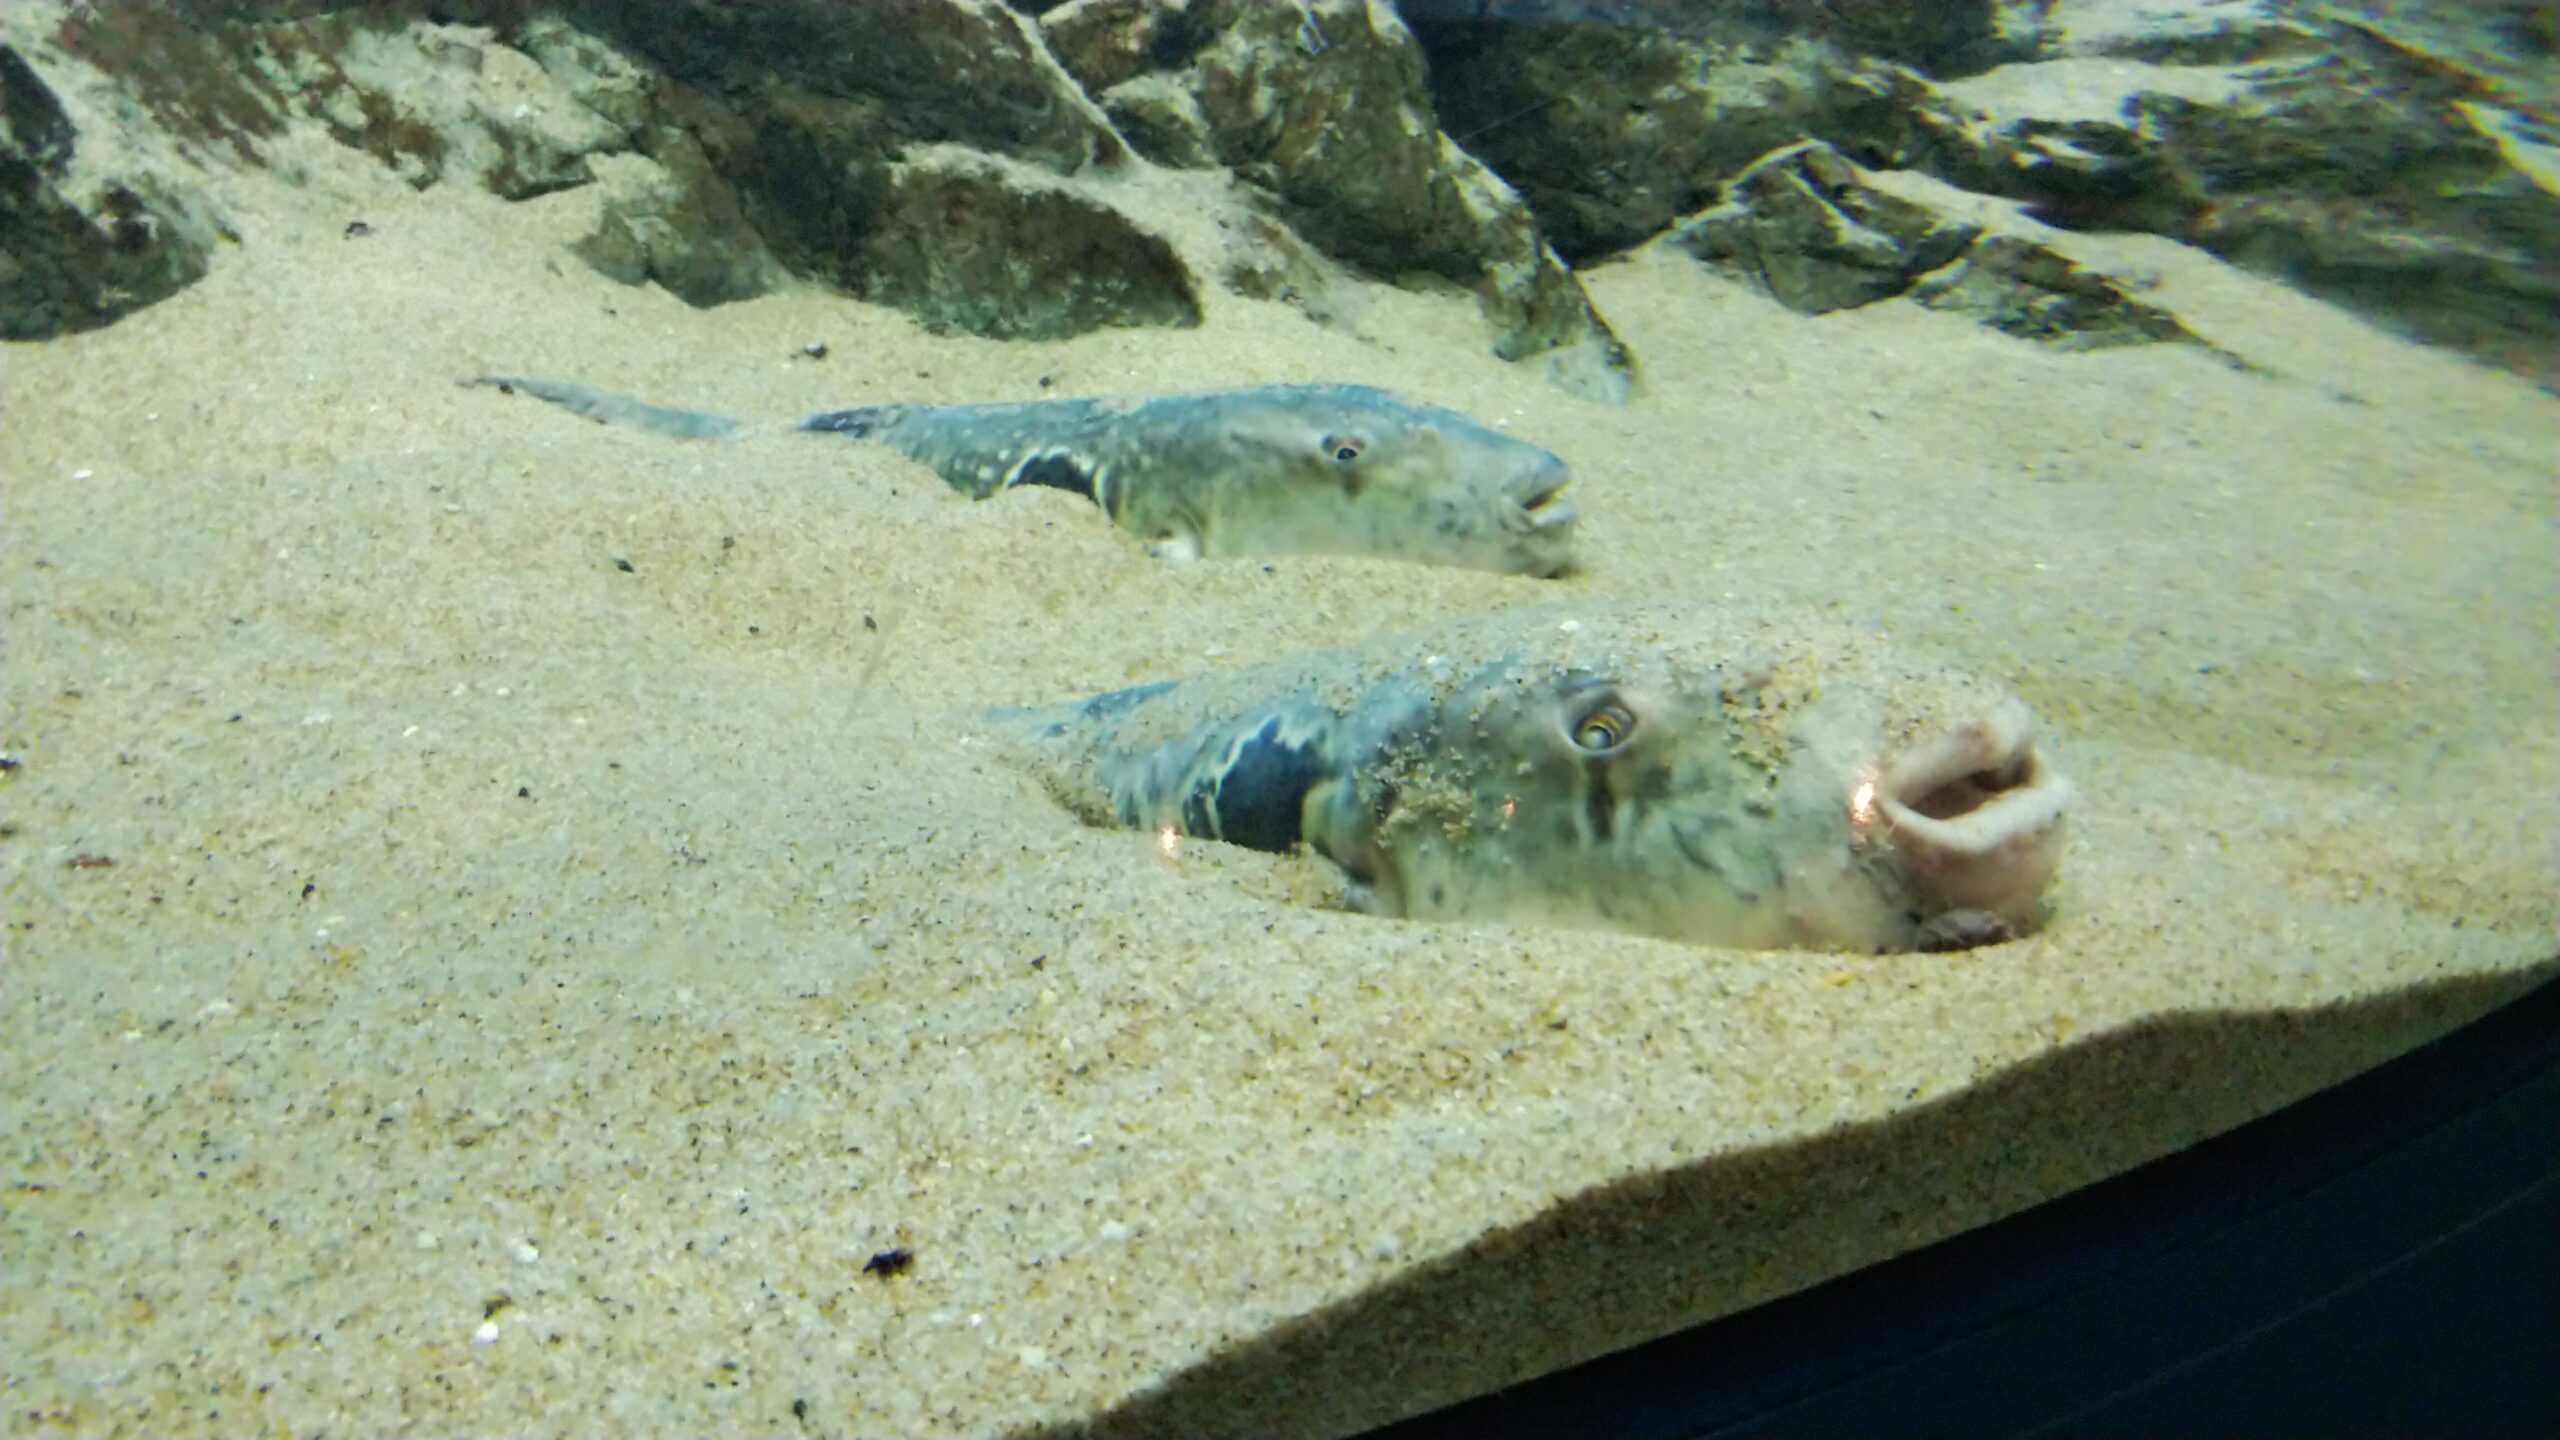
column 2021, row 288
column 775, row 158
column 2402, row 159
column 1107, row 43
column 1268, row 261
column 970, row 243
column 1803, row 223
column 939, row 70
column 1819, row 235
column 2504, row 48
column 1163, row 121
column 88, row 232
column 668, row 216
column 2344, row 157
column 2181, row 32
column 740, row 143
column 1940, row 38
column 669, row 220
column 823, row 140
column 438, row 103
column 432, row 102
column 1345, row 139
column 810, row 171
column 183, row 70
column 40, row 134
column 1615, row 127
column 1326, row 109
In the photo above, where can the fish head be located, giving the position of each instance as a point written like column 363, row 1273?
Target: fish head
column 1763, row 807
column 1350, row 470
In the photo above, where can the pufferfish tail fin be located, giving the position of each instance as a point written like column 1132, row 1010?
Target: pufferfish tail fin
column 605, row 407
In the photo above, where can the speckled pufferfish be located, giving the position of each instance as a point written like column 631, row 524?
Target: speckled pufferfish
column 1768, row 783
column 1265, row 470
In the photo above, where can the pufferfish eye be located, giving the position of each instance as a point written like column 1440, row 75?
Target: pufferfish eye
column 1345, row 448
column 1604, row 727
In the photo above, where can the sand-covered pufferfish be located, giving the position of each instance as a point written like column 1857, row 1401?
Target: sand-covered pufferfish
column 1780, row 782
column 1265, row 470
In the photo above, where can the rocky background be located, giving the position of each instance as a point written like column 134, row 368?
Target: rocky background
column 969, row 161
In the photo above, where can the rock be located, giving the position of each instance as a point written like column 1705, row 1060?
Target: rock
column 2023, row 289
column 1805, row 225
column 671, row 221
column 617, row 88
column 432, row 102
column 1959, row 35
column 2317, row 148
column 894, row 149
column 1613, row 128
column 437, row 103
column 1105, row 44
column 1268, row 261
column 2162, row 32
column 919, row 153
column 967, row 242
column 1163, row 121
column 2401, row 159
column 97, row 219
column 668, row 215
column 968, row 72
column 1326, row 108
column 1819, row 235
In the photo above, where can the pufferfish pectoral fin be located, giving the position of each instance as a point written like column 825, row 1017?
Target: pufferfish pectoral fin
column 1362, row 898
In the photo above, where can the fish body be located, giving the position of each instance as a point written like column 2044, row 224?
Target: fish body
column 1265, row 470
column 1720, row 781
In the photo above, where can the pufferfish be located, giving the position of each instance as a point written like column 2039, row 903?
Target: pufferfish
column 1771, row 783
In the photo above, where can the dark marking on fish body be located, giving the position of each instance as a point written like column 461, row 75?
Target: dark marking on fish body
column 1058, row 470
column 1257, row 798
column 1600, row 803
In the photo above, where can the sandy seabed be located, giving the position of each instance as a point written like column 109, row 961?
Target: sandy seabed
column 503, row 921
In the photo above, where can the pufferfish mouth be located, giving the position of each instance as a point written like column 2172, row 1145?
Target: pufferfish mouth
column 1551, row 506
column 1975, row 814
